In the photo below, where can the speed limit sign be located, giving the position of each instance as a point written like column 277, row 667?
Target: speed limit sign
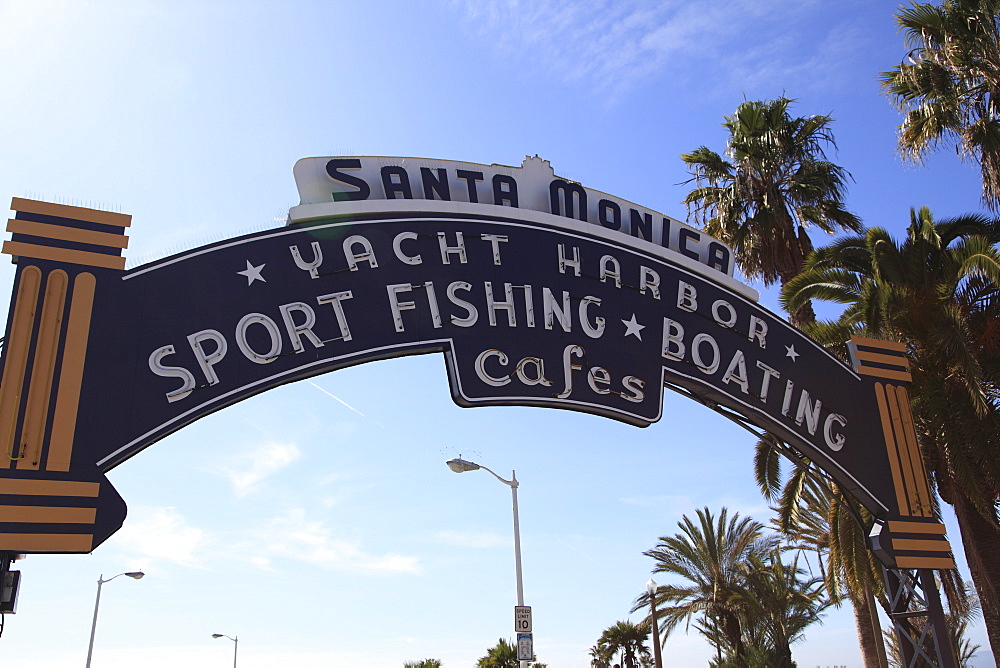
column 522, row 619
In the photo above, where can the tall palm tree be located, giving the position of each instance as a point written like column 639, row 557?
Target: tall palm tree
column 709, row 554
column 929, row 292
column 949, row 83
column 625, row 639
column 772, row 184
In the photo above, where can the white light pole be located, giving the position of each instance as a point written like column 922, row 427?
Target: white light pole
column 236, row 644
column 651, row 588
column 460, row 465
column 136, row 575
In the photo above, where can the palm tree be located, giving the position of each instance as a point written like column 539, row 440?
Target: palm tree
column 773, row 183
column 426, row 663
column 625, row 639
column 784, row 601
column 815, row 516
column 599, row 656
column 501, row 655
column 928, row 293
column 709, row 555
column 753, row 613
column 948, row 87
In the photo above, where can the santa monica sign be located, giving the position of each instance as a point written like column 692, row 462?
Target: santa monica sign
column 538, row 292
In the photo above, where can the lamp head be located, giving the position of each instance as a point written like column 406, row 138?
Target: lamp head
column 651, row 586
column 459, row 465
column 216, row 635
column 136, row 575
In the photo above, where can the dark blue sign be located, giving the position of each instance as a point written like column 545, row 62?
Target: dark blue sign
column 525, row 312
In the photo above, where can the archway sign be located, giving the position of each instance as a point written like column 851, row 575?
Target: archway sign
column 538, row 291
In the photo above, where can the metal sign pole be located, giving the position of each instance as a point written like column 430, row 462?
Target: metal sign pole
column 517, row 548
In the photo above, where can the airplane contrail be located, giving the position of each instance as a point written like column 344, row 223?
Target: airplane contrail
column 334, row 396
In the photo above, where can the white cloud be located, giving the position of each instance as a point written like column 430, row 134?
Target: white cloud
column 161, row 533
column 254, row 466
column 582, row 545
column 600, row 42
column 292, row 536
column 612, row 45
column 765, row 63
column 472, row 540
column 757, row 508
column 677, row 506
column 674, row 504
column 262, row 562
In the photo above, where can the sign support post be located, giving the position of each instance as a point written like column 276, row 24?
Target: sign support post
column 913, row 594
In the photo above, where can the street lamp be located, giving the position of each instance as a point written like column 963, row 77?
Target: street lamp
column 236, row 644
column 651, row 588
column 135, row 575
column 460, row 465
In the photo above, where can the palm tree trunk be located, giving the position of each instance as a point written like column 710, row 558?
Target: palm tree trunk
column 783, row 655
column 869, row 634
column 873, row 608
column 981, row 540
column 804, row 315
column 734, row 635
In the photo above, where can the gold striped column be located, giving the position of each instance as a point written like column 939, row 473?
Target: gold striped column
column 917, row 539
column 38, row 515
column 71, row 234
column 60, row 251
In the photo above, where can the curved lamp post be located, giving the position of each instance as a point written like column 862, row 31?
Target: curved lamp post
column 236, row 644
column 657, row 658
column 460, row 465
column 135, row 575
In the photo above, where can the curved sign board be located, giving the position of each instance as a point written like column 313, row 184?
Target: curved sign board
column 538, row 292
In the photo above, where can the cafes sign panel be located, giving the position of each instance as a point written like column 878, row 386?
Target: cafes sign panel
column 537, row 291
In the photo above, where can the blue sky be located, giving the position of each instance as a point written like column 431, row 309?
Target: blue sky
column 318, row 522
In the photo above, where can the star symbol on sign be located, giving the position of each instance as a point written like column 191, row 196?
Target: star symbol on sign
column 253, row 273
column 633, row 327
column 791, row 352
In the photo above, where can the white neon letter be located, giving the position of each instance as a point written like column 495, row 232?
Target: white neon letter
column 171, row 372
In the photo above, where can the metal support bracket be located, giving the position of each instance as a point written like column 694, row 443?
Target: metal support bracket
column 918, row 618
